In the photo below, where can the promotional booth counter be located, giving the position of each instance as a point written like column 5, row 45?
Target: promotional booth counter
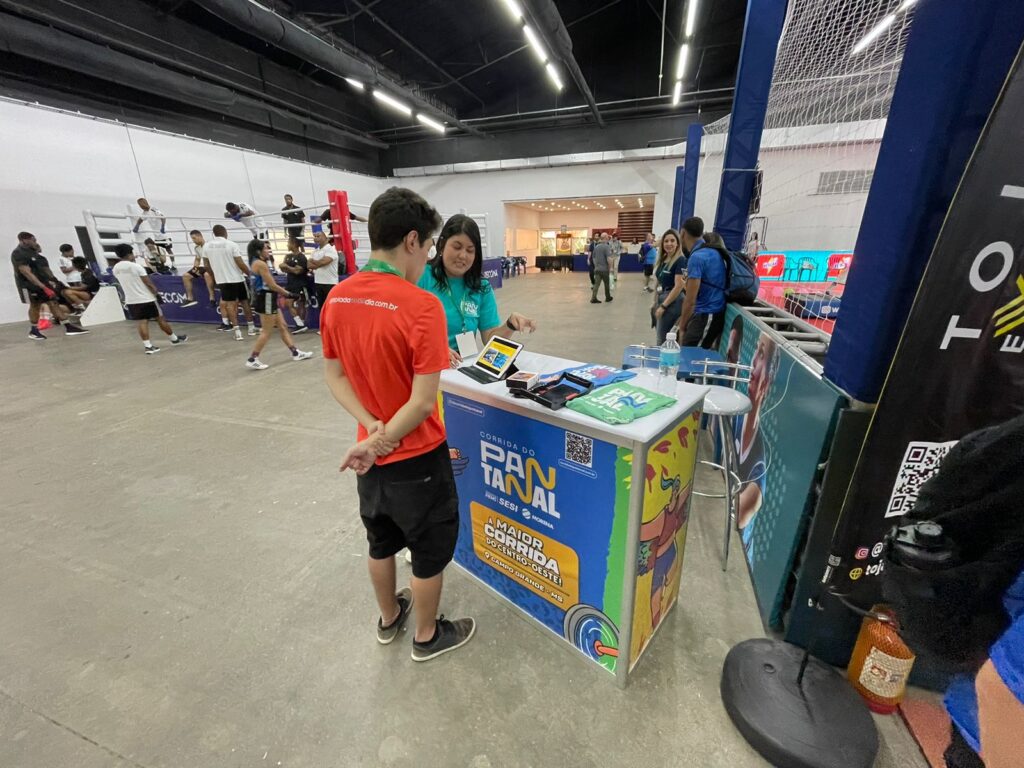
column 578, row 523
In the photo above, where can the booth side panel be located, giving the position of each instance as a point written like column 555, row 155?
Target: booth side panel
column 668, row 481
column 540, row 520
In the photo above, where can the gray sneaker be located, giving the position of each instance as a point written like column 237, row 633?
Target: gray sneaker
column 386, row 634
column 450, row 635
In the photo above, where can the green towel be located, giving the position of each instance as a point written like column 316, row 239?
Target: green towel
column 620, row 403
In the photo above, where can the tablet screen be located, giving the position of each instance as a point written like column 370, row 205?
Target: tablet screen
column 497, row 357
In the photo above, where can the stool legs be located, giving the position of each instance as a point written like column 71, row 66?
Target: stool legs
column 728, row 450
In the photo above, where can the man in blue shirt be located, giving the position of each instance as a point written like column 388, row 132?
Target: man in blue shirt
column 703, row 315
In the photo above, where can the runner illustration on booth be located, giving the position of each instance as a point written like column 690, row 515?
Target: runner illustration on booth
column 385, row 346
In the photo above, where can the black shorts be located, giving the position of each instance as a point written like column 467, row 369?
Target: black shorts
column 197, row 272
column 147, row 311
column 321, row 294
column 414, row 504
column 265, row 303
column 33, row 295
column 648, row 270
column 704, row 330
column 297, row 232
column 233, row 291
column 302, row 291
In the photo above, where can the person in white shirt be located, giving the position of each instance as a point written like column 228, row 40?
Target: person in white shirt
column 324, row 263
column 156, row 223
column 141, row 297
column 198, row 272
column 71, row 275
column 247, row 216
column 224, row 259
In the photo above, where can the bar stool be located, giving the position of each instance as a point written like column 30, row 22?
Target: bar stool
column 722, row 404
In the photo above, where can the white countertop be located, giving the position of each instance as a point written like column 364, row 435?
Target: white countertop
column 643, row 430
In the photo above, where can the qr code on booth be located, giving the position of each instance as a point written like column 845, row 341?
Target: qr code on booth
column 579, row 449
column 920, row 462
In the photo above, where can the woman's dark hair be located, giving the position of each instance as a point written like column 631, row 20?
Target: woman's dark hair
column 66, row 247
column 255, row 248
column 460, row 224
column 79, row 263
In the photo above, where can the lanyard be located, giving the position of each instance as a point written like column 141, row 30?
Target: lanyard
column 376, row 265
column 457, row 304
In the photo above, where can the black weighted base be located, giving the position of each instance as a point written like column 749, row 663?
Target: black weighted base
column 823, row 723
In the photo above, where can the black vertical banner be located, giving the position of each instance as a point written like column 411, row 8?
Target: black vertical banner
column 960, row 362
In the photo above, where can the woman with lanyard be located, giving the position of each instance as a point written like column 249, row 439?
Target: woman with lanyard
column 670, row 273
column 455, row 277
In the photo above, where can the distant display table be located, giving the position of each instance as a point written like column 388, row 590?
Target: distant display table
column 579, row 524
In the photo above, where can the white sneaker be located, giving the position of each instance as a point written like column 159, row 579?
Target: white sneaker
column 238, row 334
column 253, row 331
column 256, row 365
column 300, row 355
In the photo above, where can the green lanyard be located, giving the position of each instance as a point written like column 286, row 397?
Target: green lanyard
column 457, row 304
column 376, row 265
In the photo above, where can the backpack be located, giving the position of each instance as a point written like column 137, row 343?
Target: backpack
column 740, row 277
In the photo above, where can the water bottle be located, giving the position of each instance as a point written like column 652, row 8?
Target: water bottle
column 668, row 365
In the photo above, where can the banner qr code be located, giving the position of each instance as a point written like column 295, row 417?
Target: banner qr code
column 579, row 449
column 920, row 462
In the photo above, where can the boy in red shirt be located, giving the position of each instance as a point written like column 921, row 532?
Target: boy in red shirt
column 385, row 343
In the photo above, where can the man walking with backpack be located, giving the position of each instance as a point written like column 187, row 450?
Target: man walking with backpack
column 703, row 315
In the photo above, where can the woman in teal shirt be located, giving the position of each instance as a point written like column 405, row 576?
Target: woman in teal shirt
column 455, row 276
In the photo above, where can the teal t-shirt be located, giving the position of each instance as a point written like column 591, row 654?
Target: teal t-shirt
column 465, row 310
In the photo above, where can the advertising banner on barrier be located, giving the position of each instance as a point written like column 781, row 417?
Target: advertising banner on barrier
column 779, row 444
column 523, row 487
column 960, row 362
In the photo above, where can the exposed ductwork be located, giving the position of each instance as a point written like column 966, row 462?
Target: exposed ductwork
column 286, row 34
column 27, row 39
column 549, row 20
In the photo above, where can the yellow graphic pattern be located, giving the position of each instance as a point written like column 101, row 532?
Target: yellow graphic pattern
column 1011, row 314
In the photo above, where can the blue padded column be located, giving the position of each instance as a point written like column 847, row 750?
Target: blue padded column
column 761, row 32
column 694, row 135
column 677, row 197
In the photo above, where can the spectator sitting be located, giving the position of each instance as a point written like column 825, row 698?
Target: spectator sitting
column 90, row 282
column 156, row 258
column 71, row 275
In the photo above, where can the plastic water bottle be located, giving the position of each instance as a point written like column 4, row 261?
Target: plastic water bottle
column 668, row 365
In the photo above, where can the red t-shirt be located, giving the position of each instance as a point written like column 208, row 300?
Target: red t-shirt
column 384, row 330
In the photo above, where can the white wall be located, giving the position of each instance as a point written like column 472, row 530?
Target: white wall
column 486, row 192
column 55, row 165
column 581, row 219
column 521, row 219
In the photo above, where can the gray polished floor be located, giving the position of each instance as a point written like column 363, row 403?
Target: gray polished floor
column 182, row 581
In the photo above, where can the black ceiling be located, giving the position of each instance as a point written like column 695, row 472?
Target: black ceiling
column 467, row 58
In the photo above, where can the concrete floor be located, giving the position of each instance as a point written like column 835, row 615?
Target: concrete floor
column 182, row 581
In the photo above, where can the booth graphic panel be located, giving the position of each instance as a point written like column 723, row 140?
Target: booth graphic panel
column 668, row 481
column 543, row 520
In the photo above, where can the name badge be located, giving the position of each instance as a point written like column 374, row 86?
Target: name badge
column 466, row 342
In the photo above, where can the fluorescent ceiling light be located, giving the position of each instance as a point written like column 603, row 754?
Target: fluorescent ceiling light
column 439, row 127
column 677, row 92
column 534, row 41
column 392, row 102
column 553, row 75
column 684, row 54
column 691, row 17
column 514, row 9
column 355, row 84
column 871, row 36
